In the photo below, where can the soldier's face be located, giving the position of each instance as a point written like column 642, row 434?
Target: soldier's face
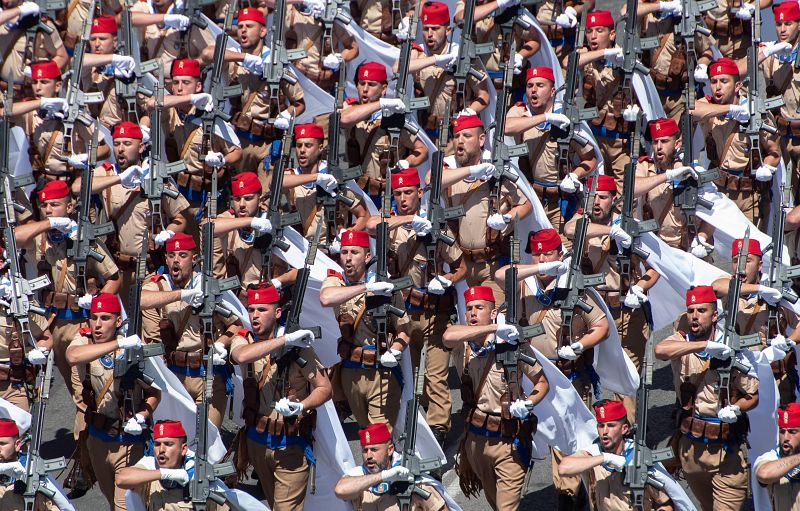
column 9, row 448
column 245, row 205
column 603, row 201
column 46, row 88
column 664, row 149
column 480, row 313
column 57, row 207
column 540, row 92
column 250, row 34
column 354, row 261
column 611, row 434
column 469, row 144
column 103, row 44
column 724, row 89
column 182, row 85
column 377, row 457
column 435, row 36
column 308, row 151
column 787, row 30
column 128, row 151
column 180, row 264
column 752, row 268
column 370, row 90
column 407, row 199
column 263, row 317
column 104, row 325
column 790, row 440
column 702, row 317
column 170, row 452
column 600, row 38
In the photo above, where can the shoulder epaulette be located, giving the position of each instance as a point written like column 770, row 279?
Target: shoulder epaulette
column 645, row 158
column 417, row 47
column 351, row 101
column 334, row 273
column 156, row 277
column 85, row 331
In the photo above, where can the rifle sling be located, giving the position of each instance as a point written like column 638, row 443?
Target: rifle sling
column 99, row 398
column 310, row 220
column 72, row 6
column 728, row 143
column 752, row 319
column 188, row 143
column 184, row 319
column 49, row 147
column 662, row 43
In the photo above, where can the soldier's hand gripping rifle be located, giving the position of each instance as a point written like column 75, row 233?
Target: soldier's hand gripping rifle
column 334, row 11
column 468, row 51
column 128, row 88
column 192, row 9
column 35, row 23
column 276, row 66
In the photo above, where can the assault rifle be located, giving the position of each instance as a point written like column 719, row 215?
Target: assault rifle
column 35, row 23
column 780, row 275
column 192, row 9
column 632, row 46
column 127, row 88
column 334, row 11
column 468, row 51
column 275, row 68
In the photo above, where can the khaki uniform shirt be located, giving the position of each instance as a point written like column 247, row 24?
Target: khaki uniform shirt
column 79, row 10
column 782, row 77
column 304, row 31
column 10, row 501
column 607, row 83
column 158, row 498
column 63, row 270
column 12, row 46
column 658, row 204
column 372, row 14
column 188, row 138
column 255, row 93
column 37, row 324
column 49, row 133
column 785, row 494
column 247, row 256
column 412, row 257
column 440, row 85
column 112, row 110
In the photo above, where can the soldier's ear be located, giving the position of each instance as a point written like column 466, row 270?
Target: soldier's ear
column 278, row 312
column 263, row 32
column 119, row 321
column 493, row 314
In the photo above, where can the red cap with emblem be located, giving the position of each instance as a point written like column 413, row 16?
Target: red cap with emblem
column 788, row 417
column 53, row 190
column 605, row 183
column 8, row 428
column 245, row 183
column 375, row 434
column 787, row 11
column 354, row 238
column 264, row 293
column 435, row 13
column 251, row 14
column 106, row 302
column 104, row 25
column 168, row 429
column 543, row 241
column 700, row 294
column 663, row 128
column 609, row 411
column 186, row 67
column 46, row 69
column 600, row 19
column 753, row 247
column 479, row 293
column 408, row 177
column 540, row 72
column 465, row 122
column 724, row 66
column 181, row 241
column 127, row 129
column 309, row 130
column 372, row 71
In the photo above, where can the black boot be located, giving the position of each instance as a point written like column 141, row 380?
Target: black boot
column 440, row 436
column 567, row 502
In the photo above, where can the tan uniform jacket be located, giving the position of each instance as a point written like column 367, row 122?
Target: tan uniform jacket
column 12, row 48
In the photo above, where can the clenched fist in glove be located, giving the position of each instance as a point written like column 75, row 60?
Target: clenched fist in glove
column 729, row 414
column 519, row 409
column 718, row 350
column 390, row 357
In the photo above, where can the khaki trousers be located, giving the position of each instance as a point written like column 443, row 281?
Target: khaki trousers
column 633, row 332
column 373, row 394
column 194, row 386
column 283, row 474
column 430, row 326
column 482, row 274
column 717, row 478
column 498, row 467
column 107, row 459
column 615, row 157
column 14, row 395
column 64, row 332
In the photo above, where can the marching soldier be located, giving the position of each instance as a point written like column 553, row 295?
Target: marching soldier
column 280, row 403
column 730, row 25
column 777, row 469
column 369, row 373
column 713, row 429
column 559, row 20
column 495, row 453
column 376, row 17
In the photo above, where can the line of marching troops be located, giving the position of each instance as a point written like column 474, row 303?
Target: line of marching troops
column 81, row 326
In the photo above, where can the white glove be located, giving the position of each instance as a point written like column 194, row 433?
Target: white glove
column 398, row 473
column 317, row 7
column 28, row 9
column 672, row 7
column 421, row 226
column 178, row 21
column 507, row 334
column 262, row 226
column 729, row 414
column 380, row 288
column 36, row 356
column 85, row 301
column 571, row 352
column 253, row 63
column 519, row 60
column 568, row 18
column 61, row 223
column 615, row 461
column 769, row 294
column 519, row 409
column 163, row 237
column 202, row 101
column 780, row 342
column 700, row 248
column 403, row 165
column 570, row 183
column 701, row 73
column 560, row 121
column 402, row 29
column 133, row 426
column 635, row 298
column 739, row 112
column 192, row 296
column 553, row 268
column 390, row 357
column 333, row 61
column 177, row 475
column 776, row 48
column 467, row 112
column 438, row 285
column 214, row 159
column 301, row 338
column 131, row 177
column 497, row 221
column 277, row 284
column 283, row 120
column 79, row 161
column 145, row 134
column 131, row 341
column 123, row 66
column 765, row 172
column 502, row 4
column 630, row 113
column 335, row 246
column 328, row 183
column 218, row 354
column 614, row 55
column 13, row 469
column 482, row 171
column 718, row 350
column 622, row 238
column 445, row 60
column 288, row 408
column 392, row 106
column 745, row 12
column 680, row 173
column 53, row 104
column 27, row 72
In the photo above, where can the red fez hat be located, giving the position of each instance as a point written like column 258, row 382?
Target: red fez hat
column 127, row 129
column 605, row 183
column 106, row 302
column 700, row 294
column 181, row 241
column 168, row 429
column 309, row 130
column 609, row 411
column 753, row 247
column 723, row 66
column 479, row 293
column 788, row 417
column 8, row 428
column 600, row 19
column 465, row 122
column 787, row 11
column 53, row 190
column 245, row 183
column 104, row 25
column 373, row 71
column 435, row 13
column 265, row 293
column 540, row 72
column 186, row 67
column 353, row 238
column 542, row 241
column 408, row 177
column 46, row 69
column 663, row 128
column 375, row 434
column 251, row 14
